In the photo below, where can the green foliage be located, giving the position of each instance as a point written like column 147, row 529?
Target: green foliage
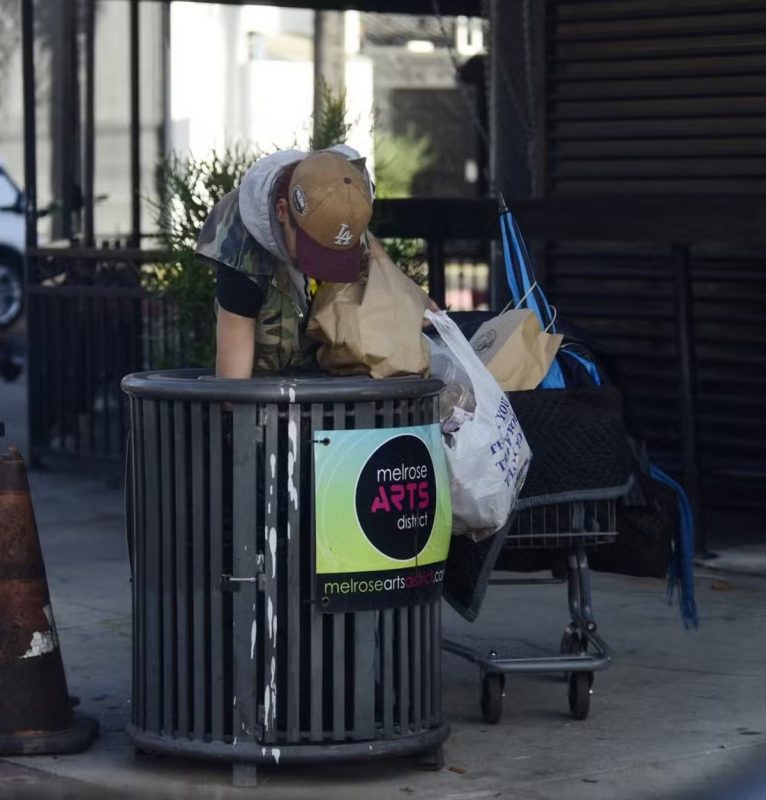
column 398, row 161
column 330, row 125
column 187, row 189
column 407, row 254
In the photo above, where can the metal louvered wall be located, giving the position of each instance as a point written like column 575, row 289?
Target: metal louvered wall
column 627, row 300
column 666, row 100
column 656, row 96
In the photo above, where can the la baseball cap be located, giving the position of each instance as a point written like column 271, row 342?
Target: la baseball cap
column 331, row 203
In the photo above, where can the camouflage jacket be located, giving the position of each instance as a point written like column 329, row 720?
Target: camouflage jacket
column 280, row 326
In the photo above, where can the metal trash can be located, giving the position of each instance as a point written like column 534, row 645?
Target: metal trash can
column 234, row 657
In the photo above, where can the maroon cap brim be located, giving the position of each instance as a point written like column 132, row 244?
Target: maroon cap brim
column 324, row 264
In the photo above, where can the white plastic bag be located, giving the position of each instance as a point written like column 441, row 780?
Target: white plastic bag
column 456, row 401
column 489, row 456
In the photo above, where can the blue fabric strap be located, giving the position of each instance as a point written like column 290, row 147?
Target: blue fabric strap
column 590, row 367
column 554, row 378
column 681, row 573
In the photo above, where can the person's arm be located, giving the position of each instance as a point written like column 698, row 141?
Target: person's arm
column 239, row 299
column 235, row 345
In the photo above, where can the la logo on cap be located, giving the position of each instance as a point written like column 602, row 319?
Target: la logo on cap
column 344, row 237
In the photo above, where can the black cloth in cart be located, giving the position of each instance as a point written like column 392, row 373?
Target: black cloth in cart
column 580, row 452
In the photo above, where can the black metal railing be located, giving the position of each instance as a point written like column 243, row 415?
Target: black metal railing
column 90, row 322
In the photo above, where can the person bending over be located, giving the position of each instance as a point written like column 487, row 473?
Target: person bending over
column 297, row 219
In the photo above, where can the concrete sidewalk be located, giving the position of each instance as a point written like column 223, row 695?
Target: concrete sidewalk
column 677, row 710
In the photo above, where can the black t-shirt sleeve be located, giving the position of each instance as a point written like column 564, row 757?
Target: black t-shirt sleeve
column 237, row 293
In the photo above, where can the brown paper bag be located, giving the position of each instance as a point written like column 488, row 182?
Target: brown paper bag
column 515, row 350
column 372, row 327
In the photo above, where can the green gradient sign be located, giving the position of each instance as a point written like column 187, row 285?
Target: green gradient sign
column 383, row 516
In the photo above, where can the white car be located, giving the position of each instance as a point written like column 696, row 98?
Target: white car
column 12, row 238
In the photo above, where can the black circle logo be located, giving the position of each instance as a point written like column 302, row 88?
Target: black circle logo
column 484, row 342
column 299, row 200
column 396, row 497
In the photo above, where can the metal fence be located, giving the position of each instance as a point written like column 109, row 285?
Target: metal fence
column 90, row 322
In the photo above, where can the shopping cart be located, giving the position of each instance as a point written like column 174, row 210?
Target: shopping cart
column 562, row 533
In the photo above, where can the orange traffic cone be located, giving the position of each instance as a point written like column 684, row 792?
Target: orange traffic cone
column 35, row 708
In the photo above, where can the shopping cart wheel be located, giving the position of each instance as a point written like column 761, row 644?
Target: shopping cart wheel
column 492, row 685
column 572, row 643
column 579, row 694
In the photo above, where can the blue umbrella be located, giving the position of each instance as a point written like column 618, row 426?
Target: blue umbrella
column 527, row 293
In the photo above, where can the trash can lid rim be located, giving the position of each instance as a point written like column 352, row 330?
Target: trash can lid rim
column 201, row 385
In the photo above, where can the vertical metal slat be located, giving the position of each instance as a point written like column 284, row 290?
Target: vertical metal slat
column 199, row 560
column 403, row 673
column 426, row 619
column 134, row 29
column 216, row 621
column 387, row 669
column 339, row 636
column 364, row 674
column 317, row 618
column 295, row 590
column 387, row 630
column 168, row 588
column 364, row 635
column 139, row 648
column 271, row 577
column 182, row 567
column 436, row 663
column 244, row 564
column 416, row 675
column 152, row 589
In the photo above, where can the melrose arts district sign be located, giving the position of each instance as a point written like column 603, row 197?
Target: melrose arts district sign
column 383, row 517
